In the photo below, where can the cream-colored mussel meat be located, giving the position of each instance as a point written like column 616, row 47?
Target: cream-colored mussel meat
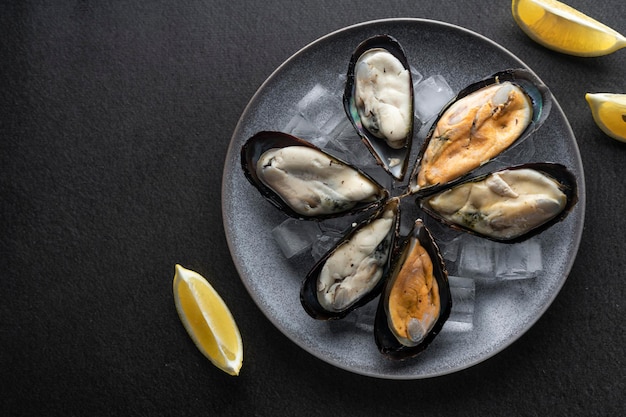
column 383, row 96
column 313, row 183
column 504, row 205
column 474, row 130
column 357, row 266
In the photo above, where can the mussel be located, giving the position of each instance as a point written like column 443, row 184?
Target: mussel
column 484, row 120
column 378, row 100
column 352, row 273
column 305, row 182
column 416, row 299
column 509, row 205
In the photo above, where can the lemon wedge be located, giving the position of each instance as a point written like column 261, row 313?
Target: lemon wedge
column 564, row 29
column 609, row 113
column 208, row 320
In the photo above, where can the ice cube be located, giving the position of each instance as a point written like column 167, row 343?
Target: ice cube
column 342, row 130
column 485, row 260
column 330, row 231
column 430, row 96
column 355, row 152
column 365, row 316
column 476, row 258
column 457, row 326
column 425, row 128
column 463, row 291
column 337, row 226
column 301, row 127
column 519, row 261
column 338, row 85
column 450, row 250
column 335, row 125
column 416, row 76
column 322, row 245
column 295, row 236
column 320, row 105
column 348, row 145
column 314, row 95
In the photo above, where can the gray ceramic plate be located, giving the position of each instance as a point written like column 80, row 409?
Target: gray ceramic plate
column 502, row 312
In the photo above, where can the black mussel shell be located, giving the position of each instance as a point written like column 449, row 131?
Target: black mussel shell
column 394, row 161
column 535, row 89
column 388, row 344
column 263, row 141
column 566, row 182
column 308, row 291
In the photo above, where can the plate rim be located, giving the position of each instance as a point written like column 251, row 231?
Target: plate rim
column 567, row 267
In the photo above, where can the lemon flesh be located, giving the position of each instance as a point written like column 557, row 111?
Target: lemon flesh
column 609, row 113
column 564, row 29
column 208, row 320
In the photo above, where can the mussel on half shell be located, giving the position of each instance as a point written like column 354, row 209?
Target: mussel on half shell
column 305, row 182
column 509, row 205
column 378, row 100
column 485, row 119
column 416, row 299
column 352, row 273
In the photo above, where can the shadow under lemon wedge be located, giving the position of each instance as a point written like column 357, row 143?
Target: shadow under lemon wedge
column 609, row 113
column 562, row 28
column 208, row 320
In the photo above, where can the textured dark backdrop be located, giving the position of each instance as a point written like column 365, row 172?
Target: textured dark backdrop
column 115, row 118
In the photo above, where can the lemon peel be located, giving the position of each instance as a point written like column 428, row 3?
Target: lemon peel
column 609, row 113
column 208, row 320
column 564, row 29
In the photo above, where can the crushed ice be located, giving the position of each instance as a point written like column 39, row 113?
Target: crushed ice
column 320, row 119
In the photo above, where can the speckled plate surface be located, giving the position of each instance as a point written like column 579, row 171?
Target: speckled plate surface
column 502, row 312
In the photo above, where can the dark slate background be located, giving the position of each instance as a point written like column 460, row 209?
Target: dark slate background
column 115, row 118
